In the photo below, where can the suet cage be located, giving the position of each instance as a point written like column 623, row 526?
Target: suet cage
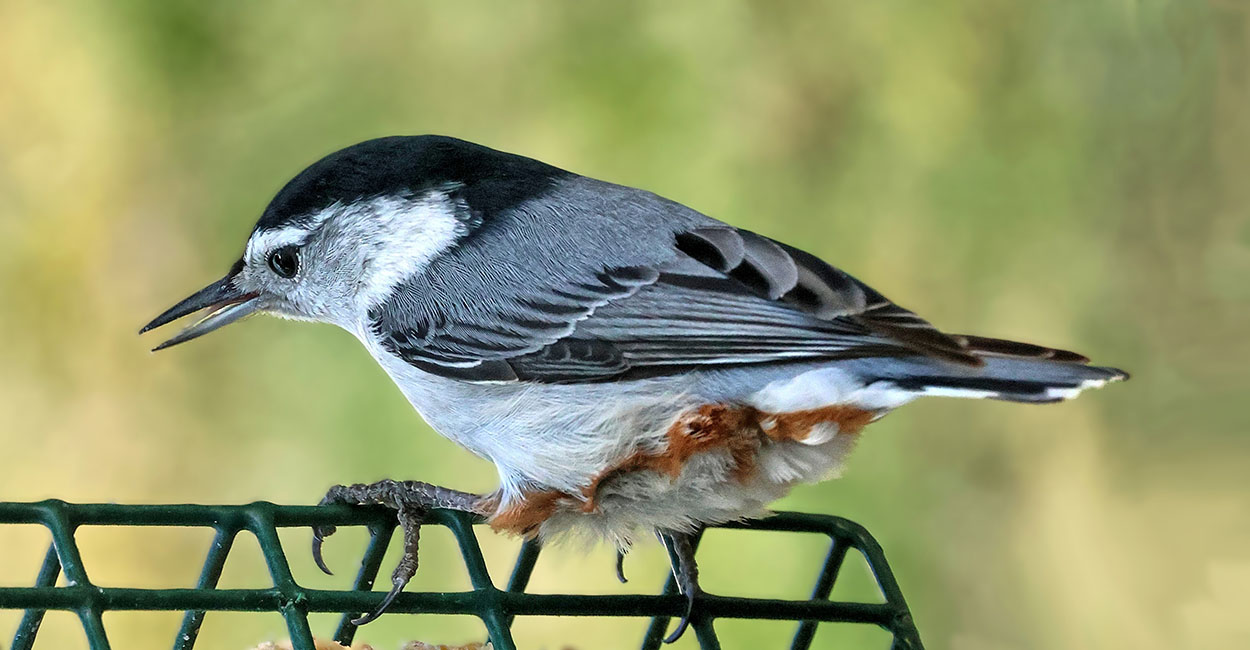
column 495, row 607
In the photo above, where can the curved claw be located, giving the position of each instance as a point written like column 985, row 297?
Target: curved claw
column 319, row 536
column 684, row 623
column 681, row 629
column 410, row 518
column 381, row 609
column 620, row 566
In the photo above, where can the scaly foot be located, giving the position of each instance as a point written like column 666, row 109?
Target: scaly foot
column 411, row 500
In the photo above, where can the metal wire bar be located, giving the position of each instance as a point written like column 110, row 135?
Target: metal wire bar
column 223, row 541
column 370, row 563
column 462, row 602
column 293, row 606
column 496, row 608
column 824, row 586
column 522, row 569
column 89, row 611
column 655, row 630
column 492, row 607
column 28, row 628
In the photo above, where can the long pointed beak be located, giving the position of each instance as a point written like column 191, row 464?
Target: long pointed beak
column 226, row 303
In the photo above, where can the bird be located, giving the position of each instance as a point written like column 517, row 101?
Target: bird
column 631, row 366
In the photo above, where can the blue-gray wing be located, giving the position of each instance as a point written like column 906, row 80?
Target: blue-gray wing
column 700, row 297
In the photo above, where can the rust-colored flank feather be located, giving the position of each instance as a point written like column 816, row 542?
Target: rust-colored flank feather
column 739, row 429
column 526, row 515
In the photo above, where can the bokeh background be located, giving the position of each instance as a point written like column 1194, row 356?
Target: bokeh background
column 1071, row 172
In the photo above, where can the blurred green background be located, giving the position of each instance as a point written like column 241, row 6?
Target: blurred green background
column 1072, row 173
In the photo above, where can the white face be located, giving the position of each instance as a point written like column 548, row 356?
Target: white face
column 348, row 258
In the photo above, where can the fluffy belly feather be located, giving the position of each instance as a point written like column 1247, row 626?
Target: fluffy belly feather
column 717, row 462
column 614, row 461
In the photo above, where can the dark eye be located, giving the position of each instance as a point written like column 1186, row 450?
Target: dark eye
column 285, row 261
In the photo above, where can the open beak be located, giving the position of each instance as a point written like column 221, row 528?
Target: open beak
column 225, row 303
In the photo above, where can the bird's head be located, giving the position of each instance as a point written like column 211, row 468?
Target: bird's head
column 346, row 232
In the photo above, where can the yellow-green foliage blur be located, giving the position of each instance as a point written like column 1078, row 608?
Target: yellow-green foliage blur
column 1075, row 173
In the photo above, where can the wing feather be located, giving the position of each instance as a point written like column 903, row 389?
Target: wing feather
column 718, row 296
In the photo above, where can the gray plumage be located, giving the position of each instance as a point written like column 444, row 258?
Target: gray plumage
column 612, row 282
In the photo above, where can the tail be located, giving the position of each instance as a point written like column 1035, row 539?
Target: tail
column 1015, row 372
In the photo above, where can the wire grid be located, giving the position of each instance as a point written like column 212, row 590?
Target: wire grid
column 496, row 608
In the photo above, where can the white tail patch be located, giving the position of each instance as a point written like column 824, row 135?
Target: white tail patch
column 965, row 393
column 1069, row 393
column 1048, row 394
column 828, row 387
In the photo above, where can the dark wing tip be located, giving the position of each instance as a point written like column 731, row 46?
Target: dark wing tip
column 985, row 345
column 909, row 330
column 1117, row 374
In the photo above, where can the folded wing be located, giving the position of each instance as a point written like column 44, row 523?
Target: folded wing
column 719, row 297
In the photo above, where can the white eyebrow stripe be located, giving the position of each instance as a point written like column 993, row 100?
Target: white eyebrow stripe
column 294, row 235
column 270, row 239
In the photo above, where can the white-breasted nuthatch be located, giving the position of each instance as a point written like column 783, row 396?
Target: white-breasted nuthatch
column 628, row 364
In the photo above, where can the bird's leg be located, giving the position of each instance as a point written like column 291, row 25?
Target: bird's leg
column 680, row 548
column 411, row 500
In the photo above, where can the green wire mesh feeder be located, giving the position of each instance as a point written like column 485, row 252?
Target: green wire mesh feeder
column 495, row 607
